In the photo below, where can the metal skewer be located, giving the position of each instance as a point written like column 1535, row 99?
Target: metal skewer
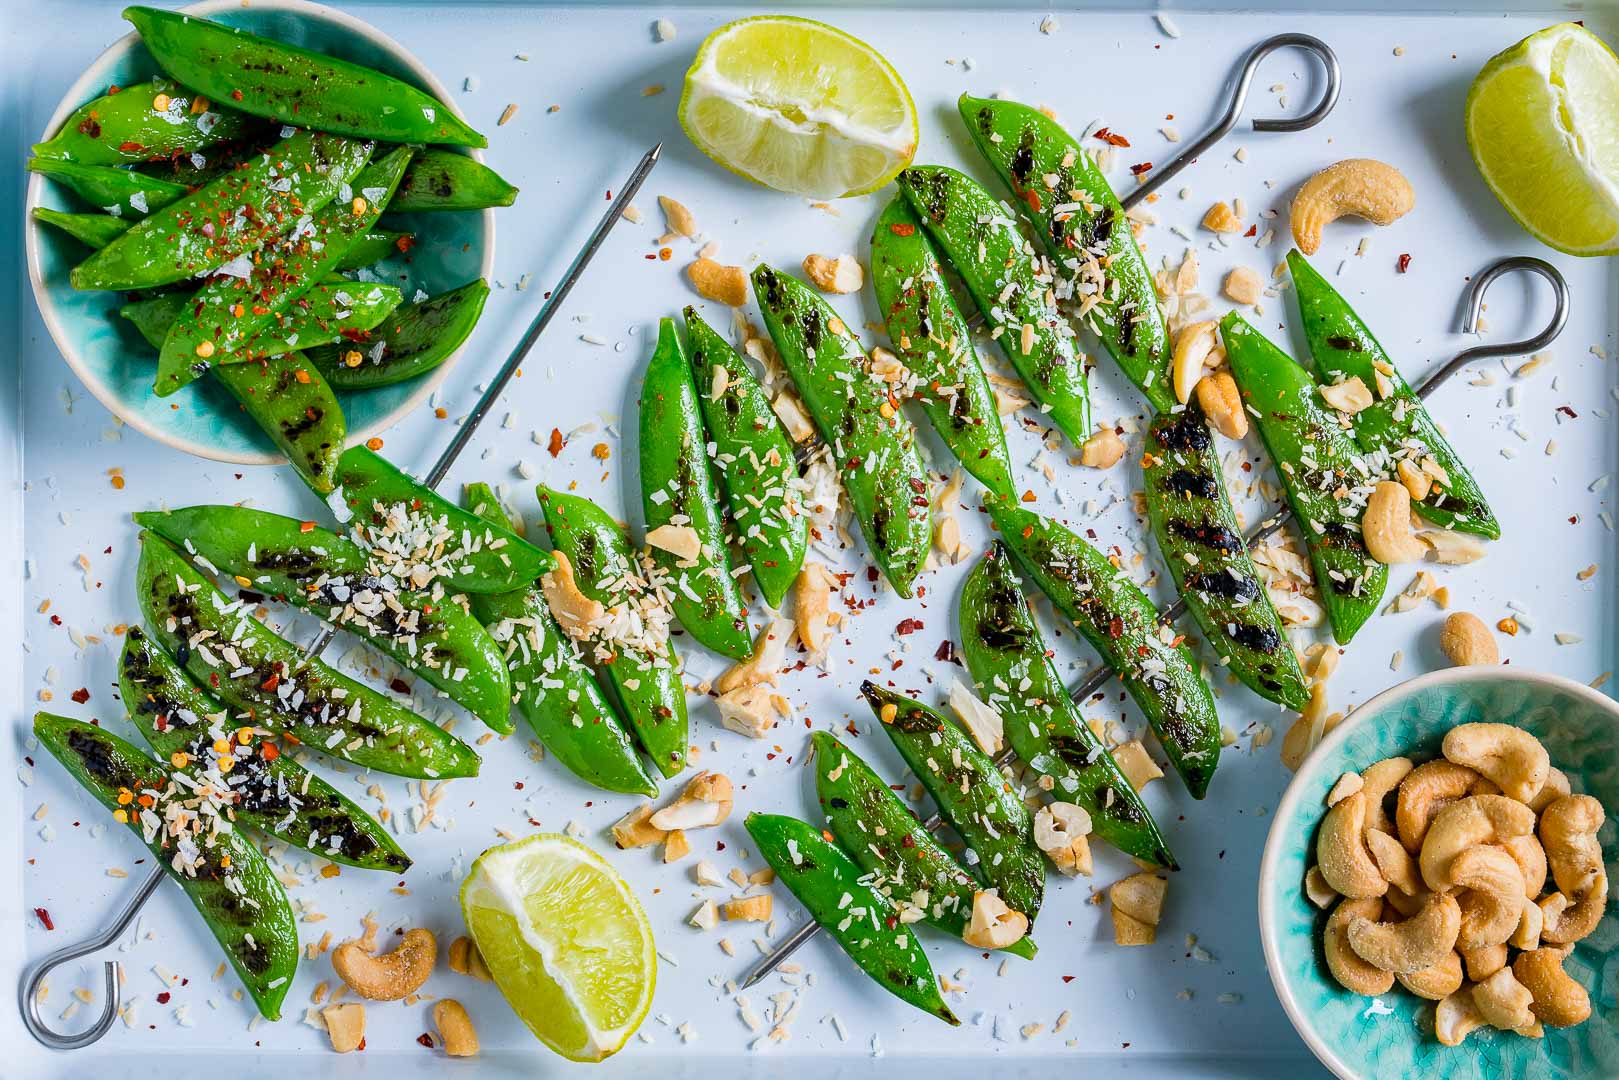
column 35, row 975
column 1102, row 675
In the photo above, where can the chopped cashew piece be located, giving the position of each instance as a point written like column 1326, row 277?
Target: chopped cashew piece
column 993, row 925
column 1138, row 903
column 1452, row 548
column 1062, row 830
column 1317, row 890
column 455, row 1029
column 749, row 908
column 769, row 652
column 392, row 975
column 1136, row 764
column 345, row 1024
column 726, row 285
column 840, row 275
column 1102, row 450
column 812, row 606
column 676, row 846
column 1360, row 187
column 1221, row 218
column 1349, row 396
column 790, row 411
column 706, row 917
column 680, row 220
column 706, row 801
column 1221, row 402
column 748, row 710
column 635, row 829
column 1243, row 286
column 681, row 541
column 577, row 614
column 1456, row 1017
column 982, row 721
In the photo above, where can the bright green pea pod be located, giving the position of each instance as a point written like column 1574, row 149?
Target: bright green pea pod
column 1114, row 615
column 476, row 556
column 268, row 78
column 231, row 884
column 230, row 309
column 334, row 310
column 860, row 919
column 95, row 231
column 555, row 691
column 873, row 444
column 241, row 211
column 127, row 126
column 313, row 568
column 446, row 180
column 1007, row 659
column 973, row 797
column 678, row 495
column 271, row 791
column 1012, row 286
column 270, row 684
column 900, row 858
column 1069, row 206
column 374, row 246
column 647, row 683
column 1396, row 427
column 932, row 339
column 414, row 340
column 754, row 460
column 119, row 192
column 290, row 400
column 1202, row 544
column 1316, row 460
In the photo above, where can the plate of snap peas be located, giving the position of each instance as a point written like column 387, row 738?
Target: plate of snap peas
column 243, row 269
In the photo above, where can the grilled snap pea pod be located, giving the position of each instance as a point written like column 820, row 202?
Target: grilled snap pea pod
column 860, row 919
column 334, row 310
column 972, row 795
column 268, row 790
column 1395, row 428
column 239, row 212
column 467, row 553
column 94, row 231
column 230, row 309
column 1007, row 659
column 229, row 882
column 1068, row 204
column 753, row 458
column 901, row 859
column 1202, row 545
column 263, row 676
column 1150, row 658
column 1316, row 460
column 933, row 342
column 872, row 442
column 555, row 692
column 644, row 674
column 282, row 82
column 129, row 125
column 446, row 180
column 428, row 632
column 413, row 340
column 1012, row 286
column 121, row 193
column 295, row 407
column 678, row 497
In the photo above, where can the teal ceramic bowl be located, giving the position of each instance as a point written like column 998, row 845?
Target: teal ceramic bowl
column 112, row 360
column 1357, row 1038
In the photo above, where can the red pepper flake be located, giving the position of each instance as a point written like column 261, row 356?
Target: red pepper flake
column 236, row 95
column 398, row 685
column 1137, row 170
column 1028, row 531
column 1028, row 496
column 81, row 695
column 908, row 626
column 1067, row 978
column 1253, row 230
column 425, row 1039
column 946, row 650
column 405, row 243
column 1110, row 137
column 269, row 751
column 1032, row 197
column 306, row 526
column 1115, row 628
column 1404, row 264
column 163, row 998
column 45, row 918
column 88, row 126
column 132, row 147
column 917, row 485
column 1564, row 409
column 554, row 447
column 271, row 683
column 902, row 229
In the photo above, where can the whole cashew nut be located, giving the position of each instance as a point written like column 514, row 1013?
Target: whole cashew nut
column 1340, row 851
column 1493, row 903
column 1555, row 788
column 1563, row 923
column 1556, row 998
column 1531, row 859
column 1426, row 791
column 1346, row 966
column 1457, row 1017
column 1475, row 820
column 1482, row 963
column 1361, row 187
column 1395, row 863
column 1194, row 346
column 1438, row 982
column 1568, row 829
column 1386, row 525
column 1380, row 779
column 1419, row 942
column 1504, row 1002
column 389, row 976
column 1510, row 756
column 1403, row 904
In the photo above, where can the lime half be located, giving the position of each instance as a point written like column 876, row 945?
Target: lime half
column 566, row 940
column 798, row 106
column 1543, row 126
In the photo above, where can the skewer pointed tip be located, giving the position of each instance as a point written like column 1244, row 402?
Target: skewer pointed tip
column 751, row 979
column 653, row 153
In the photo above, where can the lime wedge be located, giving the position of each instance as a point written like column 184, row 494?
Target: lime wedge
column 566, row 940
column 1543, row 126
column 798, row 106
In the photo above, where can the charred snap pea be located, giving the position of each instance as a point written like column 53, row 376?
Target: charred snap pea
column 156, row 119
column 972, row 795
column 241, row 211
column 1007, row 659
column 626, row 633
column 872, row 442
column 446, row 180
column 335, row 310
column 837, row 895
column 901, row 859
column 231, row 884
column 413, row 340
column 293, row 405
column 298, row 562
column 269, row 683
column 119, row 192
column 753, row 458
column 1081, row 226
column 935, row 346
column 422, row 537
column 685, row 533
column 95, row 231
column 555, row 691
column 1115, row 616
column 1321, row 468
column 1012, row 285
column 260, row 786
column 1202, row 544
column 1395, row 432
column 282, row 82
column 233, row 307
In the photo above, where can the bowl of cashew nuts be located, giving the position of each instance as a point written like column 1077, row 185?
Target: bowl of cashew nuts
column 1433, row 898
